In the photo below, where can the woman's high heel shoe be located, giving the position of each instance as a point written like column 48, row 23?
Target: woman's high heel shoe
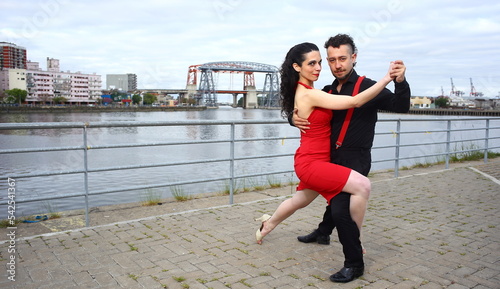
column 258, row 234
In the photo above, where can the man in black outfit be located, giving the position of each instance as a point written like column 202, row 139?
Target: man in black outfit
column 353, row 150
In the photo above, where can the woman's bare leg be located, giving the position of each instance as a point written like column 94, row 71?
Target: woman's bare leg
column 359, row 187
column 299, row 200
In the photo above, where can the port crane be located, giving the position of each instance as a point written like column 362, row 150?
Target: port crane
column 455, row 92
column 473, row 92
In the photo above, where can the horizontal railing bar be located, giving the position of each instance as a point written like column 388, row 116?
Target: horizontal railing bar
column 266, row 138
column 262, row 157
column 35, row 150
column 41, row 125
column 44, row 198
column 264, row 174
column 443, row 130
column 182, row 123
column 438, row 120
column 187, row 142
column 58, row 125
column 157, row 144
column 157, row 165
column 47, row 174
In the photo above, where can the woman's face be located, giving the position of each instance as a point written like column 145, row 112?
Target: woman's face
column 310, row 67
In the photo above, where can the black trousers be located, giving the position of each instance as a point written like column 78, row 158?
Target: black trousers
column 337, row 214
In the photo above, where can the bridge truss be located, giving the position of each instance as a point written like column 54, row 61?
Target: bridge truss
column 206, row 92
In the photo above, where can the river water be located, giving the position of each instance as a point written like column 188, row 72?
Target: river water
column 26, row 163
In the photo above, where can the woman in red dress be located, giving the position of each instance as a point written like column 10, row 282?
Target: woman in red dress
column 317, row 175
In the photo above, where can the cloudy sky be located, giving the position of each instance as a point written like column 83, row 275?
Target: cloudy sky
column 159, row 39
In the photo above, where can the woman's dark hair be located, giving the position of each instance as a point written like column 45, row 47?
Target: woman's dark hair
column 289, row 76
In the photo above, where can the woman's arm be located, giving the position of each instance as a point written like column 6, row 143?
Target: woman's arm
column 318, row 98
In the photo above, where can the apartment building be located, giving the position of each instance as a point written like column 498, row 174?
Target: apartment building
column 12, row 78
column 76, row 87
column 12, row 56
column 43, row 85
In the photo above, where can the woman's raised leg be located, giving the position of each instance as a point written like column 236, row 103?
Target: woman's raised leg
column 359, row 187
column 299, row 200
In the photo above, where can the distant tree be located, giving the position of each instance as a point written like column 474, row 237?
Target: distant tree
column 3, row 97
column 16, row 95
column 149, row 98
column 136, row 99
column 442, row 102
column 59, row 99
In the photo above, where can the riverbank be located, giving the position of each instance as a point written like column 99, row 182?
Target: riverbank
column 92, row 109
column 461, row 112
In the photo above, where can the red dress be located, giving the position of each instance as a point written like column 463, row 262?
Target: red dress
column 312, row 158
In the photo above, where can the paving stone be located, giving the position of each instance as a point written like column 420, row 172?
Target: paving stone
column 427, row 229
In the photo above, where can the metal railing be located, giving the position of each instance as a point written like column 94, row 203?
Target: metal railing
column 487, row 143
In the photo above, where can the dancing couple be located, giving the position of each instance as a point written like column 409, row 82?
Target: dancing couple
column 317, row 175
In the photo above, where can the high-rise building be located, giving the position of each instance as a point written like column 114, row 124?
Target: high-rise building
column 12, row 56
column 123, row 82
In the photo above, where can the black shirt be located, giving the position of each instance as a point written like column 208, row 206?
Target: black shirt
column 361, row 130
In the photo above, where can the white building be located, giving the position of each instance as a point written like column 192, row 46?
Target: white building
column 76, row 87
column 123, row 82
column 12, row 78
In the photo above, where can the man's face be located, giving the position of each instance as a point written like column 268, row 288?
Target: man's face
column 341, row 61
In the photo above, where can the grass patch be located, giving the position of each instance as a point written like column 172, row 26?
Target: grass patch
column 273, row 181
column 179, row 194
column 472, row 156
column 461, row 157
column 151, row 198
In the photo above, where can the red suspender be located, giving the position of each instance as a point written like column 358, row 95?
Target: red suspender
column 348, row 116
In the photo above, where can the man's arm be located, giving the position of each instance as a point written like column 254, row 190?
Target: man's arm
column 402, row 97
column 399, row 101
column 298, row 122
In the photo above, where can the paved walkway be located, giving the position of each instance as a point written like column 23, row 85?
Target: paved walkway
column 428, row 229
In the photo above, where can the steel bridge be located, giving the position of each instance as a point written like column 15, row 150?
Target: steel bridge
column 205, row 92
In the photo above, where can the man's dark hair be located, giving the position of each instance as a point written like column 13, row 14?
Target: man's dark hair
column 341, row 39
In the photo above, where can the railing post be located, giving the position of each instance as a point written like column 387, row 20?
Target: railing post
column 86, row 174
column 448, row 139
column 398, row 143
column 231, row 165
column 487, row 135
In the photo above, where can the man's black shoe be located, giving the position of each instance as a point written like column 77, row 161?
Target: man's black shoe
column 315, row 237
column 347, row 274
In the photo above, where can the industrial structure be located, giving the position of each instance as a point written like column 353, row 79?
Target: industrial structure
column 205, row 92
